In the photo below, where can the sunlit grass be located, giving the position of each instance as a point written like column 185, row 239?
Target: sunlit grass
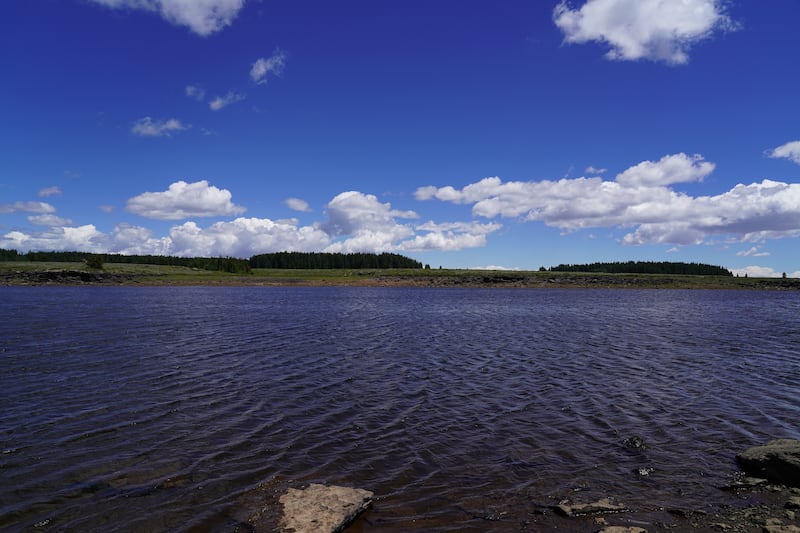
column 145, row 274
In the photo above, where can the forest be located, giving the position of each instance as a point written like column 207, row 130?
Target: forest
column 645, row 267
column 312, row 260
column 288, row 260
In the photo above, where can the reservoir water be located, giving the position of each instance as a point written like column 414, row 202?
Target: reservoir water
column 164, row 409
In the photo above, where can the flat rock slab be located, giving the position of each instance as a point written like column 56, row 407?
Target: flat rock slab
column 778, row 461
column 321, row 508
column 599, row 507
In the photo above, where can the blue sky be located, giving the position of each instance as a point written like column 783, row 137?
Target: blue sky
column 463, row 133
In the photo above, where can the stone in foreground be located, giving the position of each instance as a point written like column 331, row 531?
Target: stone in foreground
column 778, row 461
column 322, row 509
column 599, row 507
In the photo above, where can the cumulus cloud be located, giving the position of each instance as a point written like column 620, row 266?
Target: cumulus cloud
column 790, row 151
column 369, row 224
column 449, row 236
column 26, row 207
column 639, row 197
column 84, row 238
column 184, row 200
column 244, row 237
column 224, row 101
column 203, row 17
column 50, row 191
column 677, row 168
column 657, row 30
column 273, row 64
column 147, row 127
column 296, row 204
column 359, row 222
column 355, row 222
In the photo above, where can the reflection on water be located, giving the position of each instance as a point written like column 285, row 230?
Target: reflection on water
column 154, row 409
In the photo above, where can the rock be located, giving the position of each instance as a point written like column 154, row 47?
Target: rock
column 793, row 503
column 634, row 442
column 599, row 507
column 781, row 529
column 321, row 508
column 622, row 529
column 778, row 461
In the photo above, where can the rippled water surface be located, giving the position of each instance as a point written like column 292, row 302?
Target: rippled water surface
column 161, row 409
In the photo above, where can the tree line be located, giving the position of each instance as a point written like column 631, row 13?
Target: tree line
column 319, row 260
column 645, row 267
column 288, row 260
column 222, row 264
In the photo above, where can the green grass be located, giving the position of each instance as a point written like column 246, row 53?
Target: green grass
column 144, row 274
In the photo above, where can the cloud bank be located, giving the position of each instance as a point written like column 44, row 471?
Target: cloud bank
column 657, row 30
column 642, row 200
column 639, row 198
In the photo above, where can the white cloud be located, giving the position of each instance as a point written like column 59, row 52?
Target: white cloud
column 640, row 198
column 356, row 222
column 296, row 204
column 494, row 267
column 368, row 224
column 26, row 207
column 761, row 272
column 106, row 208
column 658, row 30
column 203, row 17
column 224, row 101
column 364, row 224
column 753, row 251
column 449, row 236
column 790, row 151
column 184, row 200
column 244, row 237
column 594, row 170
column 50, row 191
column 195, row 93
column 48, row 220
column 84, row 238
column 677, row 168
column 274, row 65
column 147, row 127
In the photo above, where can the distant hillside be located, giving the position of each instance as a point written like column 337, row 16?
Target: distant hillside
column 646, row 267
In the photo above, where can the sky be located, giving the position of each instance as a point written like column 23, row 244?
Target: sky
column 461, row 133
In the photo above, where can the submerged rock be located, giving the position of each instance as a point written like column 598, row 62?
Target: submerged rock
column 634, row 442
column 581, row 509
column 778, row 461
column 321, row 508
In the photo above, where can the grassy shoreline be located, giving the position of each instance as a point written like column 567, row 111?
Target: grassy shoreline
column 44, row 273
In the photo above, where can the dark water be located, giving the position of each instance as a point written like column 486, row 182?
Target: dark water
column 160, row 409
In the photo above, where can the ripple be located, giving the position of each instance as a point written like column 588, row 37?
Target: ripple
column 158, row 408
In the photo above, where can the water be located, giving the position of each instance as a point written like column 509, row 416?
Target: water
column 162, row 409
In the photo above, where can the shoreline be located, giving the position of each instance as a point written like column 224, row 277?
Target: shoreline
column 125, row 275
